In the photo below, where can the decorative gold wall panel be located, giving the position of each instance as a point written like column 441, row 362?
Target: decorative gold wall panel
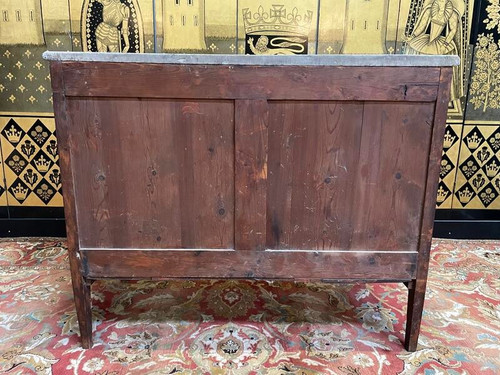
column 196, row 26
column 478, row 177
column 354, row 26
column 449, row 161
column 56, row 26
column 269, row 27
column 3, row 188
column 22, row 15
column 442, row 27
column 484, row 93
column 112, row 25
column 25, row 83
column 29, row 150
column 256, row 27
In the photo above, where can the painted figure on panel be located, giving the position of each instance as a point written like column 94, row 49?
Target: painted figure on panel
column 276, row 32
column 114, row 25
column 111, row 26
column 438, row 31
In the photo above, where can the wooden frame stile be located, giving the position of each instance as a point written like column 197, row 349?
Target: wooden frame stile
column 417, row 287
column 81, row 285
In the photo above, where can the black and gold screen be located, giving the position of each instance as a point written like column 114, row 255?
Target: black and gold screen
column 470, row 166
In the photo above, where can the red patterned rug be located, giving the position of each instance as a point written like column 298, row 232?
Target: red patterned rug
column 243, row 327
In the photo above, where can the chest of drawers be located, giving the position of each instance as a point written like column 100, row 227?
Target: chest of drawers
column 299, row 167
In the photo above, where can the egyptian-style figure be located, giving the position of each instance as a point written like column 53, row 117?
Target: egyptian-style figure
column 286, row 46
column 108, row 35
column 438, row 31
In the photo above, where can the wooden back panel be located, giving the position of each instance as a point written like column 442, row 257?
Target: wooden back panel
column 153, row 173
column 261, row 160
column 346, row 175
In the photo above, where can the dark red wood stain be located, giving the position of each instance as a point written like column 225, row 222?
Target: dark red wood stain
column 290, row 172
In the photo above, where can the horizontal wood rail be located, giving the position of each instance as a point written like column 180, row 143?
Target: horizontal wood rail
column 314, row 265
column 246, row 82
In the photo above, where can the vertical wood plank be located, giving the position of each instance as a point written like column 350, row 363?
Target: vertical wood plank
column 280, row 159
column 391, row 175
column 251, row 148
column 184, row 153
column 416, row 293
column 308, row 189
column 321, row 204
column 213, row 171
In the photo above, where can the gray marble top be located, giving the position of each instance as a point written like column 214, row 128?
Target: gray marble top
column 305, row 60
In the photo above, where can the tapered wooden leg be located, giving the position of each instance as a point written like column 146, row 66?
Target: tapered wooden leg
column 83, row 304
column 416, row 297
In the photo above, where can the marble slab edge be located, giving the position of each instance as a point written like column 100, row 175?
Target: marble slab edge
column 294, row 60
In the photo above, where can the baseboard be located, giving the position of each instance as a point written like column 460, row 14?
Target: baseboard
column 32, row 228
column 467, row 224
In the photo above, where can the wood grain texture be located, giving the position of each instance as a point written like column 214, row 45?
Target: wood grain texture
column 246, row 264
column 416, row 294
column 81, row 287
column 347, row 175
column 307, row 160
column 251, row 142
column 251, row 82
column 304, row 173
column 154, row 173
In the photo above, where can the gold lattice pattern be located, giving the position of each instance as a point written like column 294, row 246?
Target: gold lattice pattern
column 32, row 174
column 478, row 175
column 448, row 170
